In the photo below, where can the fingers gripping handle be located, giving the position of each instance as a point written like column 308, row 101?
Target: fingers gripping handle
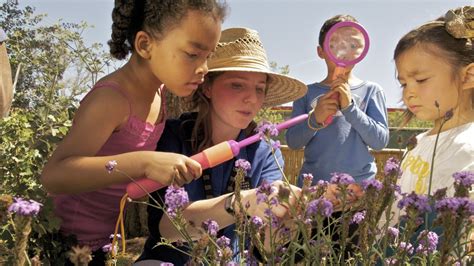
column 338, row 71
column 329, row 119
column 208, row 158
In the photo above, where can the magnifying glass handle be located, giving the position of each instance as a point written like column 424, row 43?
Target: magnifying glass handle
column 329, row 119
column 208, row 158
column 337, row 72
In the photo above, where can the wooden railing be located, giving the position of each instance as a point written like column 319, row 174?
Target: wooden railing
column 294, row 160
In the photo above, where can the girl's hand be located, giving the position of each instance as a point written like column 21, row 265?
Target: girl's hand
column 279, row 210
column 340, row 85
column 326, row 106
column 171, row 168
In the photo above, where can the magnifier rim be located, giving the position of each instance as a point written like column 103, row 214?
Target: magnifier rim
column 338, row 25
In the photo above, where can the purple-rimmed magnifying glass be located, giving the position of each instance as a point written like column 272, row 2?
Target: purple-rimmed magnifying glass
column 346, row 44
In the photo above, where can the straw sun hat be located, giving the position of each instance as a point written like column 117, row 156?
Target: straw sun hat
column 240, row 49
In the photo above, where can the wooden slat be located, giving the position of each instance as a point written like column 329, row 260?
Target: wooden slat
column 294, row 160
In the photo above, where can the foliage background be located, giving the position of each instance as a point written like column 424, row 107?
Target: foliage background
column 53, row 68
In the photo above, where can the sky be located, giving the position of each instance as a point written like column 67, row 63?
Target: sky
column 289, row 29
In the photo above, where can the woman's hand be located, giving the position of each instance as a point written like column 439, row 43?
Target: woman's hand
column 278, row 189
column 334, row 194
column 171, row 168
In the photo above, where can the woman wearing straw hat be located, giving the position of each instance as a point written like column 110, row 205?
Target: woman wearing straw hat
column 238, row 85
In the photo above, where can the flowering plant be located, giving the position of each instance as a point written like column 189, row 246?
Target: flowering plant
column 335, row 222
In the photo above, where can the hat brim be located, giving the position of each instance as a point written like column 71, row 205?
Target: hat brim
column 280, row 88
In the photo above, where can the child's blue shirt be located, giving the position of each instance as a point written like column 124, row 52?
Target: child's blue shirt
column 342, row 146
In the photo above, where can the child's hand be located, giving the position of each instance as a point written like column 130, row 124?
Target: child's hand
column 340, row 85
column 171, row 168
column 327, row 106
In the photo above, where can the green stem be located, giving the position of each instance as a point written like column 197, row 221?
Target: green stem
column 432, row 167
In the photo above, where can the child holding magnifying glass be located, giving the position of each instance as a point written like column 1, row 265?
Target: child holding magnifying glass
column 360, row 121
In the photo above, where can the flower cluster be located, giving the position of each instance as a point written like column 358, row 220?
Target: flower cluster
column 176, row 198
column 25, row 207
column 267, row 128
column 321, row 234
column 243, row 165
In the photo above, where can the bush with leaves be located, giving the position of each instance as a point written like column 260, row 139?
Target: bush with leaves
column 53, row 67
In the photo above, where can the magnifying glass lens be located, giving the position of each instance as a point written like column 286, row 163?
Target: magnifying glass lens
column 347, row 43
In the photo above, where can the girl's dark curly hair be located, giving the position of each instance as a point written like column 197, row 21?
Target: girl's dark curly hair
column 155, row 17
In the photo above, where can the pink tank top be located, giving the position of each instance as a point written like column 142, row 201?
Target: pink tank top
column 92, row 216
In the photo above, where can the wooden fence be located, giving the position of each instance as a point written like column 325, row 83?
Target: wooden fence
column 294, row 160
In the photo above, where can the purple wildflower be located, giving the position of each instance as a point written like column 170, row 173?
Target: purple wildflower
column 372, row 182
column 447, row 204
column 109, row 248
column 211, row 227
column 176, row 198
column 408, row 247
column 119, row 236
column 223, row 241
column 249, row 259
column 274, row 201
column 257, row 221
column 110, row 166
column 419, row 202
column 266, row 127
column 358, row 217
column 391, row 261
column 428, row 241
column 392, row 231
column 276, row 144
column 25, row 207
column 341, row 178
column 232, row 263
column 270, row 216
column 243, row 164
column 322, row 183
column 319, row 206
column 285, row 232
column 449, row 114
column 455, row 205
column 308, row 178
column 392, row 166
column 263, row 191
column 464, row 178
column 397, row 188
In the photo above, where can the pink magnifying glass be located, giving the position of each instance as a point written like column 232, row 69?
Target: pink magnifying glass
column 346, row 44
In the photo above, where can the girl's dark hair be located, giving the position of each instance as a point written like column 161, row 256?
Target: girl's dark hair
column 435, row 39
column 154, row 16
column 331, row 22
column 201, row 137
